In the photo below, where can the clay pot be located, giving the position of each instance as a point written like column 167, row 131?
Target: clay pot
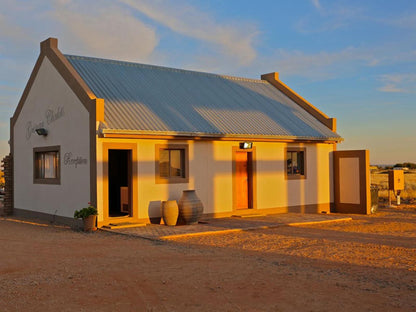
column 89, row 223
column 170, row 212
column 190, row 207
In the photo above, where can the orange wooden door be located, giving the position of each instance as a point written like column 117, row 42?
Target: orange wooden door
column 242, row 180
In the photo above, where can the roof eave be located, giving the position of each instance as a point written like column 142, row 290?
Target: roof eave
column 124, row 133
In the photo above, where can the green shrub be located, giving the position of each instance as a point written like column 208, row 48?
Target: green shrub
column 86, row 212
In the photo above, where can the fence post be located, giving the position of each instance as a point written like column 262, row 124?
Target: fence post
column 7, row 164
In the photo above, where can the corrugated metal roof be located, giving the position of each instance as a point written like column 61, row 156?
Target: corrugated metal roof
column 150, row 98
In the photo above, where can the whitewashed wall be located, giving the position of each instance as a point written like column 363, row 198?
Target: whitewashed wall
column 69, row 129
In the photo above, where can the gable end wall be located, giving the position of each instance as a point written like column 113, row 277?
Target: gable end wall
column 50, row 103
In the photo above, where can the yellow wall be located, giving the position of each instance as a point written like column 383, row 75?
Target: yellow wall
column 211, row 175
column 274, row 190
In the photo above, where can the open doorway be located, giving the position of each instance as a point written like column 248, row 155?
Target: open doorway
column 119, row 183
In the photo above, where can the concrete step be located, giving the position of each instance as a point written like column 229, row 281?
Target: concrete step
column 248, row 215
column 123, row 225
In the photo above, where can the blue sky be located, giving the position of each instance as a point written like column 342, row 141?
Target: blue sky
column 354, row 60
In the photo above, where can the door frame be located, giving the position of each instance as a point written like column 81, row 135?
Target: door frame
column 364, row 205
column 251, row 168
column 133, row 177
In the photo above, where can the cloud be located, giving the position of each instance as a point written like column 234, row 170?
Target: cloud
column 317, row 66
column 390, row 87
column 234, row 40
column 110, row 32
column 11, row 31
column 325, row 65
column 398, row 83
column 316, row 4
column 404, row 21
column 4, row 148
column 331, row 17
column 125, row 29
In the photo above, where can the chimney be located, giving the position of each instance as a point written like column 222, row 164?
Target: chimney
column 48, row 44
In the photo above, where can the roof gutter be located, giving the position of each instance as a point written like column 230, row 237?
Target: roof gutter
column 147, row 134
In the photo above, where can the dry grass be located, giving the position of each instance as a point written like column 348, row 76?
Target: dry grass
column 380, row 178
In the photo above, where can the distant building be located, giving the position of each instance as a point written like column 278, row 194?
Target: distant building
column 401, row 168
column 86, row 128
column 374, row 168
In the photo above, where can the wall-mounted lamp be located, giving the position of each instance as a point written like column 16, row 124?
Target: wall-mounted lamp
column 246, row 145
column 42, row 131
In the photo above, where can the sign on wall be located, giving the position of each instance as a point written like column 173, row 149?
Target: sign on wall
column 70, row 160
column 51, row 115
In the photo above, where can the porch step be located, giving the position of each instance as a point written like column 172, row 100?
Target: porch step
column 123, row 225
column 248, row 215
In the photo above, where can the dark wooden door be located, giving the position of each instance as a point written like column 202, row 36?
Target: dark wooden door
column 352, row 181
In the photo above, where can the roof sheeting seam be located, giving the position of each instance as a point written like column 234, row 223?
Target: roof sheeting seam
column 142, row 97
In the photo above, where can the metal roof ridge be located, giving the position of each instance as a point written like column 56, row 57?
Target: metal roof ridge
column 150, row 66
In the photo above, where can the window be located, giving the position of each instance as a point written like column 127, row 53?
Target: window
column 46, row 167
column 171, row 163
column 295, row 163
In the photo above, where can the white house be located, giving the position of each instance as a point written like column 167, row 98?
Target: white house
column 125, row 136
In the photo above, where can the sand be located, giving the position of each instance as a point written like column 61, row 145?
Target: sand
column 367, row 264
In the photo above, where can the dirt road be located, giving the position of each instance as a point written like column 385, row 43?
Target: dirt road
column 368, row 264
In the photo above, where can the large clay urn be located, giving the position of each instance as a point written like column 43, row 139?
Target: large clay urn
column 190, row 207
column 170, row 212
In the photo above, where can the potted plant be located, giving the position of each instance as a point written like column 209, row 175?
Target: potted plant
column 88, row 216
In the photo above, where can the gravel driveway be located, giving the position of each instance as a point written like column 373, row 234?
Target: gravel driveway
column 367, row 264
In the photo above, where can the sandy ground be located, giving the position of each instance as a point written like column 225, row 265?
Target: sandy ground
column 368, row 264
